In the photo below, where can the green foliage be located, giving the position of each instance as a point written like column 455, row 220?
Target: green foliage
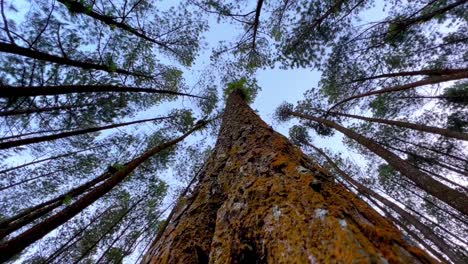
column 118, row 166
column 298, row 135
column 182, row 120
column 67, row 200
column 249, row 88
column 457, row 95
column 114, row 255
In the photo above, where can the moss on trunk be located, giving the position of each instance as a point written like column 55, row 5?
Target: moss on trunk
column 261, row 200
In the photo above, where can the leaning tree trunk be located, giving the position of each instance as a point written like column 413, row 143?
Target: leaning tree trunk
column 261, row 200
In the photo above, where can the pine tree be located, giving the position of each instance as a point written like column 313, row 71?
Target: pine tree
column 259, row 199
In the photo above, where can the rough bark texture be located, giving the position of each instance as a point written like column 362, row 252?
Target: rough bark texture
column 261, row 200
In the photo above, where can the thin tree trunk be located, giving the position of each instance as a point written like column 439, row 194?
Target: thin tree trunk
column 30, row 214
column 436, row 72
column 429, row 161
column 37, row 110
column 410, row 232
column 69, row 242
column 431, row 149
column 27, row 141
column 109, row 230
column 419, row 127
column 78, row 7
column 39, row 55
column 17, row 91
column 48, row 174
column 17, row 244
column 427, row 81
column 50, row 158
column 446, row 194
column 261, row 200
column 426, row 231
column 31, row 133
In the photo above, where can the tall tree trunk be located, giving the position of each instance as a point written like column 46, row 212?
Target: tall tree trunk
column 452, row 197
column 430, row 72
column 426, row 231
column 423, row 128
column 423, row 82
column 50, row 158
column 261, row 200
column 39, row 55
column 39, row 110
column 431, row 149
column 27, row 141
column 17, row 91
column 11, row 247
column 79, row 7
column 30, row 214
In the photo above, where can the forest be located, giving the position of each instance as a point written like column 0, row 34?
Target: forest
column 235, row 131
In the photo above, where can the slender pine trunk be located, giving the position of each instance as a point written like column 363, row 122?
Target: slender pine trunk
column 27, row 141
column 17, row 91
column 11, row 247
column 452, row 197
column 39, row 55
column 39, row 110
column 28, row 215
column 427, row 81
column 419, row 127
column 426, row 231
column 47, row 159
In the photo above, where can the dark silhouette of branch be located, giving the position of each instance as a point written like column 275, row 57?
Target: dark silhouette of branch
column 39, row 55
column 17, row 91
column 27, row 141
column 427, row 81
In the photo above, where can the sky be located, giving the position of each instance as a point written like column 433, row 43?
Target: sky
column 277, row 86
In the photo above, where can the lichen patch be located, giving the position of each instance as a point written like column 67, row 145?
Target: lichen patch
column 320, row 213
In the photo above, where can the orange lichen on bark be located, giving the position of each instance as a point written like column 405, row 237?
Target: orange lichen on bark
column 261, row 200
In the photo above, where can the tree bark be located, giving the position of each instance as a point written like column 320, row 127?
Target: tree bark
column 446, row 194
column 11, row 247
column 426, row 231
column 423, row 128
column 261, row 200
column 27, row 141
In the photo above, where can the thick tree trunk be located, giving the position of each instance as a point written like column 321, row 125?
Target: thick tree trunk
column 261, row 200
column 419, row 127
column 454, row 198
